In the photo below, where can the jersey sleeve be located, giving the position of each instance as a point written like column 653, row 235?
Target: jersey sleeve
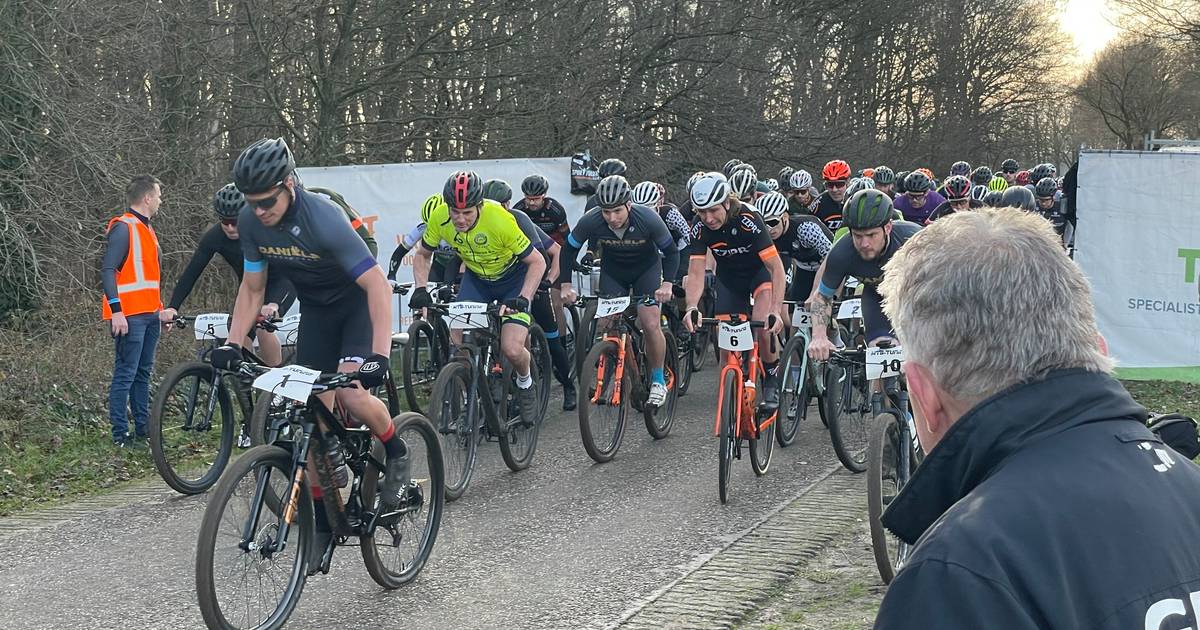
column 512, row 238
column 196, row 265
column 697, row 248
column 813, row 237
column 835, row 267
column 340, row 239
column 537, row 237
column 414, row 235
column 584, row 229
column 252, row 259
column 679, row 228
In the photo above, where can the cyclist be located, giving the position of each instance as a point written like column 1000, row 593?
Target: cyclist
column 829, row 206
column 998, row 183
column 992, row 199
column 959, row 197
column 857, row 184
column 1018, row 197
column 1020, row 179
column 748, row 268
column 885, row 180
column 501, row 265
column 919, row 198
column 637, row 254
column 730, row 165
column 1040, row 172
column 344, row 297
column 547, row 213
column 611, row 166
column 875, row 238
column 446, row 266
column 1009, row 169
column 802, row 240
column 802, row 196
column 1050, row 206
column 900, row 177
column 542, row 307
column 743, row 183
column 958, row 168
column 222, row 239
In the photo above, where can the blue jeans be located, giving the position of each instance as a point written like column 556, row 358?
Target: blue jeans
column 134, row 358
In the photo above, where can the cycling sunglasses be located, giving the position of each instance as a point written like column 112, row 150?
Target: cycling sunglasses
column 229, row 222
column 773, row 222
column 268, row 201
column 835, row 184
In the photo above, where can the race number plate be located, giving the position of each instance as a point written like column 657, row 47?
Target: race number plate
column 738, row 337
column 289, row 381
column 468, row 315
column 884, row 362
column 802, row 319
column 212, row 326
column 850, row 309
column 607, row 307
column 852, row 282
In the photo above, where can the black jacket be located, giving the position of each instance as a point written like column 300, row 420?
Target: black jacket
column 1049, row 505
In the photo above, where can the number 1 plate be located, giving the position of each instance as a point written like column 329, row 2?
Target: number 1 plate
column 884, row 362
column 289, row 381
column 731, row 337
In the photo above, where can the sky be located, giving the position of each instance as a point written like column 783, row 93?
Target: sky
column 1090, row 24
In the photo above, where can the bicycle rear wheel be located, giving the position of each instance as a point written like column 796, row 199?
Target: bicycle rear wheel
column 794, row 392
column 727, row 410
column 400, row 545
column 659, row 419
column 230, row 580
column 518, row 440
column 884, row 482
column 539, row 351
column 849, row 414
column 423, row 359
column 457, row 421
column 191, row 427
column 601, row 424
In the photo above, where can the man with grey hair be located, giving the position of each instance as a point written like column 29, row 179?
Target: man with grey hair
column 1043, row 501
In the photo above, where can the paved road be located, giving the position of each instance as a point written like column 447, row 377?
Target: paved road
column 565, row 544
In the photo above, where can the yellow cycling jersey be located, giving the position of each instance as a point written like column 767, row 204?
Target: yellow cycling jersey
column 490, row 248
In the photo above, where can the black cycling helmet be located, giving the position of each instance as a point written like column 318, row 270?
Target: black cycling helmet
column 228, row 201
column 960, row 168
column 1009, row 166
column 917, row 181
column 883, row 176
column 463, row 190
column 497, row 190
column 262, row 166
column 535, row 185
column 611, row 166
column 957, row 187
column 900, row 177
column 1045, row 188
column 867, row 209
column 728, row 168
column 1040, row 172
column 785, row 178
column 981, row 176
column 993, row 198
column 1017, row 197
column 613, row 191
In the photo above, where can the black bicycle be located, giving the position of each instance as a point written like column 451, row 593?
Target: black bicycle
column 797, row 385
column 476, row 399
column 256, row 546
column 847, row 401
column 426, row 350
column 192, row 418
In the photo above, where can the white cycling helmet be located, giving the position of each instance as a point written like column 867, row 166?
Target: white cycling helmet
column 772, row 206
column 979, row 192
column 743, row 182
column 646, row 194
column 772, row 184
column 857, row 184
column 710, row 190
column 801, row 180
column 693, row 179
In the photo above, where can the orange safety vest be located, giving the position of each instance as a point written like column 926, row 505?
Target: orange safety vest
column 137, row 279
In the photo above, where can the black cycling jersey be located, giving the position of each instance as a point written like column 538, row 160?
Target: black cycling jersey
column 830, row 211
column 214, row 242
column 740, row 247
column 1056, row 215
column 796, row 208
column 314, row 246
column 844, row 260
column 677, row 225
column 806, row 241
column 943, row 209
column 551, row 218
column 632, row 251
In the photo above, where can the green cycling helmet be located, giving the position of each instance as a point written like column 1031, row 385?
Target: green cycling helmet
column 430, row 205
column 998, row 184
column 869, row 208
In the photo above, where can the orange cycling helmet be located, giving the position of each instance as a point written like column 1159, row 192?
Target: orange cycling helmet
column 868, row 172
column 928, row 173
column 836, row 171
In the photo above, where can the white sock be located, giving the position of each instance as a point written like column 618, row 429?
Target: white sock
column 525, row 382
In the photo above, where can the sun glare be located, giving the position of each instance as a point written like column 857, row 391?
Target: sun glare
column 1091, row 24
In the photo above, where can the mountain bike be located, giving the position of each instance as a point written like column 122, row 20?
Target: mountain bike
column 475, row 396
column 256, row 546
column 615, row 376
column 797, row 387
column 846, row 393
column 426, row 350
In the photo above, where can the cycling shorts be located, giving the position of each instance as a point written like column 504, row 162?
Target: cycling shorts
column 617, row 283
column 733, row 295
column 508, row 286
column 874, row 321
column 336, row 333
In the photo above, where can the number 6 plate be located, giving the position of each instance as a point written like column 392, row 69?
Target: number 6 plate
column 884, row 362
column 738, row 337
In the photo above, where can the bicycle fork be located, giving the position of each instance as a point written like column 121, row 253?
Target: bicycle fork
column 618, row 373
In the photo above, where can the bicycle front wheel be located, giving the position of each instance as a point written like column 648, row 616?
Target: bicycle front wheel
column 254, row 583
column 191, row 427
column 884, row 481
column 602, row 423
column 794, row 392
column 727, row 411
column 400, row 545
column 518, row 432
column 456, row 418
column 848, row 398
column 659, row 419
column 423, row 359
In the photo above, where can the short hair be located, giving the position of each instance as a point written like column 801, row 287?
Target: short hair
column 140, row 186
column 988, row 299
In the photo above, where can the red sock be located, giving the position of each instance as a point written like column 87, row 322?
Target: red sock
column 316, row 492
column 387, row 435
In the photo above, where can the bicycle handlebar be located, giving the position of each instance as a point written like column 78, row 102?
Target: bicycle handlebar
column 269, row 324
column 325, row 381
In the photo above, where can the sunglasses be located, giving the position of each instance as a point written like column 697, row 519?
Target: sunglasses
column 835, row 184
column 268, row 201
column 773, row 222
column 916, row 195
column 229, row 222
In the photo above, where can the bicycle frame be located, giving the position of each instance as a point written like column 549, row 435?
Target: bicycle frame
column 621, row 332
column 746, row 392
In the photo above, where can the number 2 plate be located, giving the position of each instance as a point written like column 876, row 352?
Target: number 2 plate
column 850, row 309
column 738, row 337
column 884, row 362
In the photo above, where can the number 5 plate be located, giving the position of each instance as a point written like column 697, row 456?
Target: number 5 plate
column 468, row 315
column 289, row 381
column 850, row 309
column 606, row 307
column 738, row 337
column 211, row 326
column 884, row 362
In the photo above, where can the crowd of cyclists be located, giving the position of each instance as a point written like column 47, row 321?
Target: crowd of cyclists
column 739, row 245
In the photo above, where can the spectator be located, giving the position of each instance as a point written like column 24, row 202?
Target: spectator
column 1043, row 501
column 130, row 273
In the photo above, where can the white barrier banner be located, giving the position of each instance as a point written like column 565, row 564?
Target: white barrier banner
column 389, row 197
column 1138, row 242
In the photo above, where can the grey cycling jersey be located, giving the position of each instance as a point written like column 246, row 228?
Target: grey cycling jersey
column 844, row 260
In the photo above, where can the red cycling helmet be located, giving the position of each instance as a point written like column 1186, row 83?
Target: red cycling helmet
column 836, row 171
column 1022, row 177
